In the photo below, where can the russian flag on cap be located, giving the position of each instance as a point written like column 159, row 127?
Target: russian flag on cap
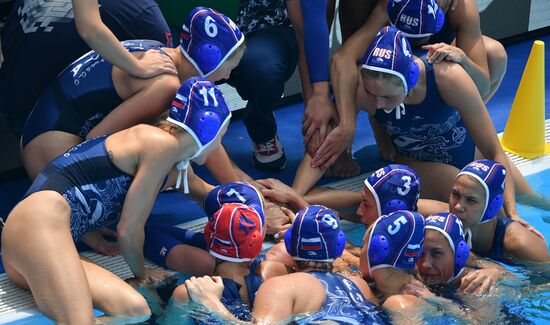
column 311, row 244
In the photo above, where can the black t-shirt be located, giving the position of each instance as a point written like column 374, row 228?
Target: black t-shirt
column 40, row 39
column 5, row 9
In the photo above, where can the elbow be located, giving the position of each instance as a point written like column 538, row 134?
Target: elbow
column 122, row 234
column 484, row 87
column 337, row 63
column 87, row 30
column 337, row 60
column 342, row 62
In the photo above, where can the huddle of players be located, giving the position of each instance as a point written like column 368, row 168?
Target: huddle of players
column 397, row 241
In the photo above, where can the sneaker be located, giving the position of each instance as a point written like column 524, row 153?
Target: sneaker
column 269, row 155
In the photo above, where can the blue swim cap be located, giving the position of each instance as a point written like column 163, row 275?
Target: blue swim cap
column 416, row 18
column 394, row 187
column 451, row 227
column 234, row 192
column 315, row 235
column 390, row 52
column 396, row 240
column 208, row 38
column 492, row 177
column 200, row 109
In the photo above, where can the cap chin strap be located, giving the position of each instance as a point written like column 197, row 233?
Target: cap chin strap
column 184, row 164
column 468, row 237
column 399, row 110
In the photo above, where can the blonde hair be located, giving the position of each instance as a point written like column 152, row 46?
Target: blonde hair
column 241, row 47
column 378, row 75
column 168, row 126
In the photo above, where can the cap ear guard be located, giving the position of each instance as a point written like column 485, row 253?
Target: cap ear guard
column 288, row 244
column 439, row 21
column 208, row 56
column 211, row 124
column 461, row 255
column 414, row 72
column 379, row 249
column 394, row 205
column 339, row 244
column 492, row 208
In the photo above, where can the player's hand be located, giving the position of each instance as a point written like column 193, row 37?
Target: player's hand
column 204, row 289
column 318, row 112
column 480, row 281
column 336, row 142
column 154, row 63
column 278, row 219
column 441, row 51
column 277, row 191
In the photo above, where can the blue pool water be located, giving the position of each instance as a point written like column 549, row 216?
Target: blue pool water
column 528, row 304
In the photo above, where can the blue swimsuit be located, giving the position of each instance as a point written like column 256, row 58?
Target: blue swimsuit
column 161, row 238
column 231, row 297
column 93, row 186
column 431, row 130
column 344, row 303
column 497, row 248
column 80, row 97
column 233, row 302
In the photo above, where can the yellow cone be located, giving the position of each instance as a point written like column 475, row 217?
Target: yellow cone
column 524, row 131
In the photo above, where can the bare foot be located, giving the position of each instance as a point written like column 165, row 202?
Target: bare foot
column 99, row 244
column 344, row 166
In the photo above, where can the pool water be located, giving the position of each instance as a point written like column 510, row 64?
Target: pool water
column 527, row 302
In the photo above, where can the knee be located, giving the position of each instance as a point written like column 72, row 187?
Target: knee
column 135, row 306
column 265, row 71
column 180, row 294
column 497, row 58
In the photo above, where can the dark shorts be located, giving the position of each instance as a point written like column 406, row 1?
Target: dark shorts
column 161, row 238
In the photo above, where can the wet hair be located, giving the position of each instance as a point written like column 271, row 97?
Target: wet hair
column 322, row 266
